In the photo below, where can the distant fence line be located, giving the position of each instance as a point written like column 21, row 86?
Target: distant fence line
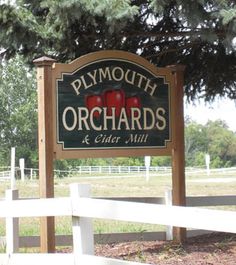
column 32, row 173
column 5, row 175
column 113, row 170
column 90, row 170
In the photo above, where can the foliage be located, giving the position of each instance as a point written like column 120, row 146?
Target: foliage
column 197, row 33
column 195, row 143
column 222, row 144
column 18, row 114
column 215, row 139
column 161, row 161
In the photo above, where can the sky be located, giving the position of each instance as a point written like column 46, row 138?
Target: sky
column 223, row 109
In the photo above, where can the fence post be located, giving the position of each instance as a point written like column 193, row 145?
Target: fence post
column 22, row 169
column 13, row 168
column 83, row 239
column 31, row 173
column 168, row 201
column 12, row 226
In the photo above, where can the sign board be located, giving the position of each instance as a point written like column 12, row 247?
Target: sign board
column 109, row 101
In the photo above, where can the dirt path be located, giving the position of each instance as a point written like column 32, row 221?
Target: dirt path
column 214, row 249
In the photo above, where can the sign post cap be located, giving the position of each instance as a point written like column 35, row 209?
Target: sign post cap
column 44, row 60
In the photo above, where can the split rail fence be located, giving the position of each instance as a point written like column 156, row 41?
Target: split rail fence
column 82, row 209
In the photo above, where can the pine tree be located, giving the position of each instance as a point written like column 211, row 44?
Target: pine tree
column 197, row 33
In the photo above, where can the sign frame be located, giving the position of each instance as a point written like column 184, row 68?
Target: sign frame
column 59, row 69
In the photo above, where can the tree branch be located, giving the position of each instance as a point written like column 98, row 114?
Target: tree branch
column 174, row 34
column 190, row 45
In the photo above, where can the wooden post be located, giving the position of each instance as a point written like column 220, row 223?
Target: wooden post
column 178, row 157
column 45, row 142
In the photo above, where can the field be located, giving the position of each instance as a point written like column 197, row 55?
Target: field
column 108, row 186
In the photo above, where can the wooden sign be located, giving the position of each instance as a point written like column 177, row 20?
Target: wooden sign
column 112, row 103
column 104, row 104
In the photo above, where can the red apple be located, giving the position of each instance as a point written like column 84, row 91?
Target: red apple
column 93, row 101
column 114, row 98
column 132, row 102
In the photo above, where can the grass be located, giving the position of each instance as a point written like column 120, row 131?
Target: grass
column 115, row 186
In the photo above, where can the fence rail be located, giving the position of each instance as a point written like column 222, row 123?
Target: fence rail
column 60, row 259
column 82, row 209
column 5, row 175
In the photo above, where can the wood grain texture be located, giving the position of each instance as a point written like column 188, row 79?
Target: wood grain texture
column 45, row 145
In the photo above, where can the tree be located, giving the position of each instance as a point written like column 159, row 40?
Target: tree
column 196, row 142
column 18, row 113
column 214, row 138
column 197, row 33
column 222, row 144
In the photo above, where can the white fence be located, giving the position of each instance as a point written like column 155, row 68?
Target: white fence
column 104, row 238
column 32, row 173
column 5, row 175
column 82, row 208
column 104, row 170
